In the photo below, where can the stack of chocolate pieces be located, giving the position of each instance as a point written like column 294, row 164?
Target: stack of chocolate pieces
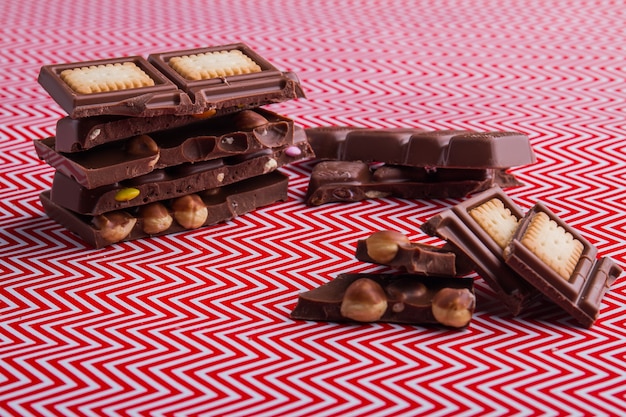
column 174, row 142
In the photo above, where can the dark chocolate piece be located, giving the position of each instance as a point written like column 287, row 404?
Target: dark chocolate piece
column 579, row 293
column 223, row 204
column 409, row 298
column 418, row 258
column 171, row 93
column 169, row 183
column 210, row 139
column 461, row 230
column 350, row 181
column 414, row 147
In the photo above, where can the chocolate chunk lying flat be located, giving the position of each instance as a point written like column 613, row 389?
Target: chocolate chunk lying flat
column 221, row 205
column 417, row 148
column 561, row 264
column 350, row 181
column 173, row 182
column 243, row 132
column 393, row 249
column 401, row 298
column 480, row 228
column 165, row 83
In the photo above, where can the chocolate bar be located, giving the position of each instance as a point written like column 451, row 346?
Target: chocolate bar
column 152, row 87
column 393, row 249
column 222, row 204
column 350, row 181
column 417, row 148
column 173, row 182
column 243, row 132
column 561, row 264
column 480, row 228
column 393, row 298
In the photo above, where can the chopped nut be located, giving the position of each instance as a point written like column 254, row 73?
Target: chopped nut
column 156, row 218
column 453, row 306
column 382, row 246
column 364, row 301
column 126, row 194
column 190, row 211
column 270, row 165
column 114, row 226
column 142, row 145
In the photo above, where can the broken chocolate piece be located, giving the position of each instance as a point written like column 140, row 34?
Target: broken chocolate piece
column 222, row 204
column 409, row 300
column 480, row 228
column 414, row 257
column 561, row 264
column 210, row 139
column 350, row 181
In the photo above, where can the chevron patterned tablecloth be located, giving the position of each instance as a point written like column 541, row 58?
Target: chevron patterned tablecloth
column 198, row 323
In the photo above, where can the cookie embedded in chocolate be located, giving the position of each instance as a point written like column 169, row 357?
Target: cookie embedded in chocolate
column 139, row 87
column 561, row 264
column 480, row 228
column 392, row 298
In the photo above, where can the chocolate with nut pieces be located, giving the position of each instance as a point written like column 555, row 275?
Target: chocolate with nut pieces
column 392, row 298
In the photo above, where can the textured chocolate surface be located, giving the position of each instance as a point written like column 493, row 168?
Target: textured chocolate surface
column 458, row 228
column 581, row 294
column 210, row 139
column 223, row 204
column 171, row 93
column 350, row 181
column 409, row 297
column 415, row 147
column 183, row 179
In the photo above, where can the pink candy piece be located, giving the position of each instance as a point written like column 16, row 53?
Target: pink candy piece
column 293, row 151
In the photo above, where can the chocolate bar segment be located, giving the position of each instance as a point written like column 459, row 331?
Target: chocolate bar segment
column 223, row 204
column 167, row 92
column 578, row 289
column 409, row 299
column 350, row 181
column 485, row 248
column 417, row 148
column 172, row 182
column 412, row 257
column 243, row 132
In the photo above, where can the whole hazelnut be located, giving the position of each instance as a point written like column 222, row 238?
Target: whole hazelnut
column 190, row 211
column 156, row 218
column 142, row 145
column 364, row 300
column 114, row 226
column 383, row 246
column 249, row 119
column 453, row 306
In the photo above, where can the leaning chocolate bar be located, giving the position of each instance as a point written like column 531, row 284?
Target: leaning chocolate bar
column 171, row 216
column 480, row 228
column 561, row 264
column 393, row 298
column 243, row 132
column 173, row 182
column 217, row 80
